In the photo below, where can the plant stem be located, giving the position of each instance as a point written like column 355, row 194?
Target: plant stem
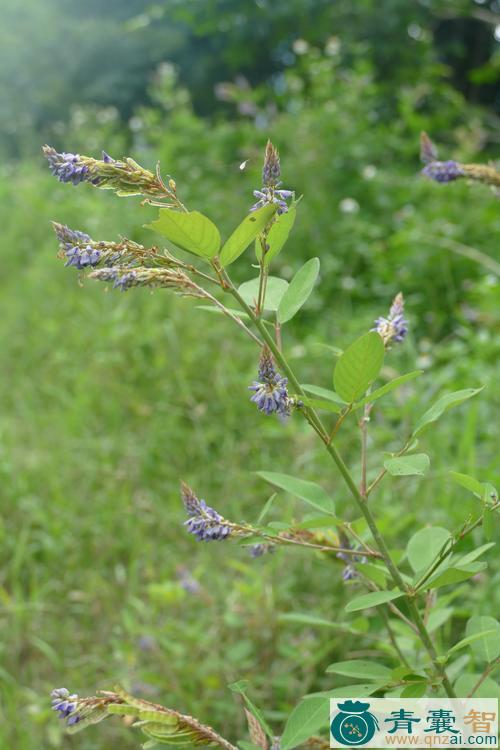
column 316, row 423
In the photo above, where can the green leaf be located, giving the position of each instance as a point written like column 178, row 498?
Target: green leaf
column 375, row 573
column 387, row 388
column 318, row 403
column 372, row 600
column 443, row 404
column 299, row 290
column 471, row 484
column 347, row 691
column 306, row 718
column 308, row 491
column 474, row 637
column 417, row 690
column 466, row 683
column 190, row 231
column 486, row 647
column 324, row 393
column 358, row 366
column 425, row 545
column 245, row 233
column 454, row 574
column 416, row 463
column 472, row 556
column 361, row 669
column 438, row 617
column 275, row 290
column 278, row 235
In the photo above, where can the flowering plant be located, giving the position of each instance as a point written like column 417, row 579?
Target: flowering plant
column 403, row 590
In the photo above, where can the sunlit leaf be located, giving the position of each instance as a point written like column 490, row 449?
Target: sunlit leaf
column 190, row 231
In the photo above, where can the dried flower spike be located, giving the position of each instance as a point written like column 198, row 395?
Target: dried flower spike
column 394, row 328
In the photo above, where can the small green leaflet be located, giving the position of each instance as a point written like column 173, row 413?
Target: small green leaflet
column 416, row 463
column 318, row 403
column 425, row 545
column 361, row 669
column 387, row 388
column 306, row 718
column 245, row 233
column 486, row 647
column 358, row 366
column 443, row 404
column 374, row 573
column 275, row 290
column 316, row 390
column 438, row 617
column 372, row 600
column 308, row 491
column 474, row 637
column 191, row 231
column 299, row 290
column 278, row 235
column 454, row 574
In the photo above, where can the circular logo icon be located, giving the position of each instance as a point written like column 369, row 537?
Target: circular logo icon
column 353, row 724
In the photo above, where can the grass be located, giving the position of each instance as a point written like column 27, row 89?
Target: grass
column 107, row 401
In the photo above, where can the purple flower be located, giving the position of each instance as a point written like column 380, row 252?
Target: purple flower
column 66, row 167
column 443, row 171
column 270, row 195
column 66, row 705
column 349, row 571
column 394, row 328
column 203, row 522
column 69, row 237
column 270, row 390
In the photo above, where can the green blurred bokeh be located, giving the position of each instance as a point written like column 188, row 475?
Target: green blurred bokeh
column 108, row 400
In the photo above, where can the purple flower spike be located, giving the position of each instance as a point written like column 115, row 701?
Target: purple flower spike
column 203, row 522
column 66, row 167
column 443, row 171
column 270, row 390
column 66, row 705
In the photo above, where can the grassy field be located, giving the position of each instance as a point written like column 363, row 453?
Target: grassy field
column 107, row 400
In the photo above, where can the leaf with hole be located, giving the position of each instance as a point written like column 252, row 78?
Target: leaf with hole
column 405, row 466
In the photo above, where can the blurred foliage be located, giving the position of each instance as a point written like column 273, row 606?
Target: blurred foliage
column 107, row 400
column 104, row 54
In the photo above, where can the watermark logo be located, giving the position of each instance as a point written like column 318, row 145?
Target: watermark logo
column 417, row 722
column 353, row 724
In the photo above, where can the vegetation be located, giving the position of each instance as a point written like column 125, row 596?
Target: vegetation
column 107, row 399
